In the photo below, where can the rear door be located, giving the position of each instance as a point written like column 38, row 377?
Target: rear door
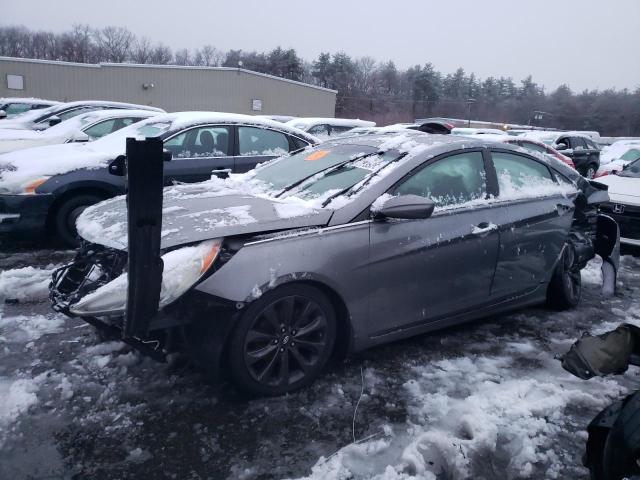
column 580, row 153
column 535, row 216
column 423, row 270
column 256, row 145
column 198, row 152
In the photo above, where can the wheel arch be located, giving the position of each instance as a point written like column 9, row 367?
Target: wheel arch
column 97, row 189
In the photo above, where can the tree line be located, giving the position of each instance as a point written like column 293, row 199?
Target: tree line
column 367, row 88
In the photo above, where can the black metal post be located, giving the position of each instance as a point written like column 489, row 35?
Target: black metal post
column 144, row 166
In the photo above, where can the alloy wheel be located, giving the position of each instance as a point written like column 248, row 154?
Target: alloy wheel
column 286, row 341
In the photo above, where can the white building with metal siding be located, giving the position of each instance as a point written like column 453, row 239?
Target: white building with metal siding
column 171, row 87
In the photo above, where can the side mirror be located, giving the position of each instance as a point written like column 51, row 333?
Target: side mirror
column 408, row 207
column 54, row 120
column 3, row 114
column 117, row 166
column 166, row 155
column 79, row 136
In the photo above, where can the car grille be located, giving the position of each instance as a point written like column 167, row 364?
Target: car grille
column 627, row 216
column 93, row 266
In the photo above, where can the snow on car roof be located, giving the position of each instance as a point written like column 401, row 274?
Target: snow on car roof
column 339, row 122
column 29, row 100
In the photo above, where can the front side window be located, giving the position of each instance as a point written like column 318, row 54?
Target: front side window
column 260, row 141
column 72, row 113
column 520, row 176
column 100, row 129
column 450, row 181
column 12, row 109
column 199, row 142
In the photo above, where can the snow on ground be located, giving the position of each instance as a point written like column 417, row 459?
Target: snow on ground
column 482, row 400
column 25, row 284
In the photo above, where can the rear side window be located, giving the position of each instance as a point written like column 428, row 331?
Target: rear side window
column 534, row 147
column 521, row 176
column 449, row 182
column 260, row 141
column 298, row 143
column 321, row 131
column 578, row 143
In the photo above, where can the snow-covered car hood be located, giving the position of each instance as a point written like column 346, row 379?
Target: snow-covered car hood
column 200, row 216
column 622, row 189
column 12, row 140
column 23, row 166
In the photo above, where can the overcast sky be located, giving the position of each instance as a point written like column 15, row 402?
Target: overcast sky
column 585, row 43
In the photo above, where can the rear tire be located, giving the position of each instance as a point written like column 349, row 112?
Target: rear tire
column 67, row 214
column 282, row 341
column 565, row 288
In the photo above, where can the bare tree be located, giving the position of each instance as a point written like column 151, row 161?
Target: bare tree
column 161, row 55
column 142, row 51
column 114, row 43
column 183, row 57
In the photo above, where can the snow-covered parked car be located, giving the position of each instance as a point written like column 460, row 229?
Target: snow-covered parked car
column 353, row 243
column 44, row 189
column 12, row 106
column 48, row 117
column 581, row 148
column 624, row 206
column 531, row 145
column 324, row 128
column 85, row 127
column 614, row 157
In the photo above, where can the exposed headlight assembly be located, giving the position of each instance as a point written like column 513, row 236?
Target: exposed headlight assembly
column 182, row 269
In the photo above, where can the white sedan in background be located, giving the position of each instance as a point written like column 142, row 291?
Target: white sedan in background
column 614, row 157
column 85, row 127
column 624, row 206
column 324, row 128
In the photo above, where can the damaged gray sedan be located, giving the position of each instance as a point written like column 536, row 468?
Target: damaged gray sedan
column 353, row 243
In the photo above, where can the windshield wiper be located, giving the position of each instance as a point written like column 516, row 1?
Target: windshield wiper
column 364, row 181
column 326, row 171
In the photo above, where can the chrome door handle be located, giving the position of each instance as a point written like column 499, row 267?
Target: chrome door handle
column 484, row 227
column 222, row 170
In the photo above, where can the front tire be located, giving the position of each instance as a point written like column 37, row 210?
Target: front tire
column 282, row 341
column 67, row 214
column 591, row 170
column 565, row 288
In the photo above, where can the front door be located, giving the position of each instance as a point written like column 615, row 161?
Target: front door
column 198, row 153
column 423, row 270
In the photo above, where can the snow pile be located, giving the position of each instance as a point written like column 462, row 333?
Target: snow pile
column 16, row 396
column 290, row 210
column 26, row 284
column 23, row 328
column 466, row 410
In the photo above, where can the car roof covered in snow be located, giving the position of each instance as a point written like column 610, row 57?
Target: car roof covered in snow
column 309, row 122
column 28, row 100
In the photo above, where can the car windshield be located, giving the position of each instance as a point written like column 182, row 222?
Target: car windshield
column 631, row 170
column 631, row 154
column 322, row 171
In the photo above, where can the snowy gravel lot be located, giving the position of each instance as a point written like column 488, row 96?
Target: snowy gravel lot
column 484, row 400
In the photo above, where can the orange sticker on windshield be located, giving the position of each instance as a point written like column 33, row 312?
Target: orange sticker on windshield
column 317, row 155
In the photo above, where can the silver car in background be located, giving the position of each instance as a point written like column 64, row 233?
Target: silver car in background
column 350, row 244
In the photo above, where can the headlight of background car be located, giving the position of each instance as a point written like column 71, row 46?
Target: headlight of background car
column 182, row 269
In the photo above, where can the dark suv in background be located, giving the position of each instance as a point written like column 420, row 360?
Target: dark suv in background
column 582, row 150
